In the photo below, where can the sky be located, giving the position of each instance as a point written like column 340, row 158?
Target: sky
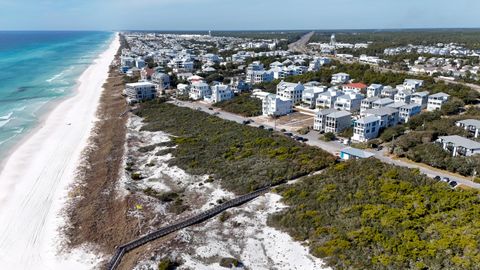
column 236, row 14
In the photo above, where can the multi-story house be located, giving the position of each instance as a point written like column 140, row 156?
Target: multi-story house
column 374, row 90
column 459, row 146
column 409, row 110
column 320, row 119
column 367, row 103
column 366, row 128
column 310, row 95
column 349, row 102
column 338, row 121
column 340, row 78
column 389, row 117
column 412, row 85
column 199, row 90
column 383, row 102
column 470, row 125
column 276, row 106
column 327, row 99
column 403, row 96
column 436, row 101
column 140, row 91
column 388, row 92
column 291, row 91
column 354, row 87
column 220, row 92
column 420, row 98
column 162, row 80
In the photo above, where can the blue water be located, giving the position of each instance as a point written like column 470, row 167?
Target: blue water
column 37, row 68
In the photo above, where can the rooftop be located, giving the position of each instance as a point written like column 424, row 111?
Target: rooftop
column 460, row 141
column 357, row 152
column 368, row 119
column 470, row 122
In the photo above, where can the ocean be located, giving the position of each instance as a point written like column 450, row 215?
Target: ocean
column 36, row 69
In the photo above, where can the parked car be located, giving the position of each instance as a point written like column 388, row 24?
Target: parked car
column 305, row 140
column 270, row 129
column 261, row 126
column 246, row 122
column 289, row 134
column 437, row 178
column 453, row 184
column 216, row 113
column 299, row 139
column 210, row 108
column 446, row 179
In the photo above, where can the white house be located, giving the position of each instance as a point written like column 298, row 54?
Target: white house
column 458, row 145
column 420, row 98
column 221, row 92
column 349, row 102
column 340, row 78
column 310, row 95
column 470, row 125
column 259, row 76
column 276, row 106
column 383, row 102
column 366, row 128
column 388, row 92
column 389, row 117
column 338, row 121
column 161, row 79
column 140, row 91
column 436, row 101
column 327, row 99
column 408, row 111
column 367, row 103
column 320, row 119
column 291, row 91
column 355, row 87
column 412, row 85
column 403, row 96
column 374, row 90
column 183, row 89
column 199, row 90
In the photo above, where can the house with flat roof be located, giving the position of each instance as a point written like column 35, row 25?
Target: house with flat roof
column 470, row 125
column 140, row 91
column 291, row 91
column 199, row 90
column 420, row 98
column 459, row 146
column 374, row 90
column 354, row 153
column 349, row 102
column 320, row 119
column 338, row 121
column 436, row 101
column 273, row 105
column 389, row 117
column 409, row 110
column 366, row 128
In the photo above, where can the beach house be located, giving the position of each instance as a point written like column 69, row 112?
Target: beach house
column 327, row 99
column 291, row 91
column 220, row 92
column 374, row 90
column 199, row 90
column 349, row 102
column 320, row 119
column 389, row 117
column 409, row 110
column 140, row 91
column 470, row 125
column 276, row 106
column 338, row 121
column 310, row 95
column 340, row 78
column 420, row 98
column 367, row 103
column 366, row 128
column 436, row 101
column 459, row 146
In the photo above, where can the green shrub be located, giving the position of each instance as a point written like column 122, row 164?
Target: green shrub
column 329, row 136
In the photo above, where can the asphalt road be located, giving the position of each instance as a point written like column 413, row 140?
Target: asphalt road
column 333, row 147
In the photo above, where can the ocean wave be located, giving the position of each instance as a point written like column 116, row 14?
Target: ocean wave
column 55, row 77
column 6, row 117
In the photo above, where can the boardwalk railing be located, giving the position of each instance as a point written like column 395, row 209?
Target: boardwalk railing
column 121, row 250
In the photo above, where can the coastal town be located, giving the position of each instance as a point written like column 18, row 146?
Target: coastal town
column 205, row 71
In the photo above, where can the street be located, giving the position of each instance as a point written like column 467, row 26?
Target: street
column 333, row 147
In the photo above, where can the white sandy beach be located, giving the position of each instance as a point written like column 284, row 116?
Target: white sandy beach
column 36, row 176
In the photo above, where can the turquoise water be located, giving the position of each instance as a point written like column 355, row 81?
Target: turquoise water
column 37, row 68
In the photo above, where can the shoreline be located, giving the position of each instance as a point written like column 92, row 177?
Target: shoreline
column 45, row 111
column 35, row 175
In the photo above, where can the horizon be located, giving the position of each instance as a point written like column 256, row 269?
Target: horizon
column 216, row 15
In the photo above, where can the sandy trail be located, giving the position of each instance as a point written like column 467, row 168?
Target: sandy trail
column 35, row 178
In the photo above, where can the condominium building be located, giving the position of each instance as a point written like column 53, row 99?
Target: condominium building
column 140, row 91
